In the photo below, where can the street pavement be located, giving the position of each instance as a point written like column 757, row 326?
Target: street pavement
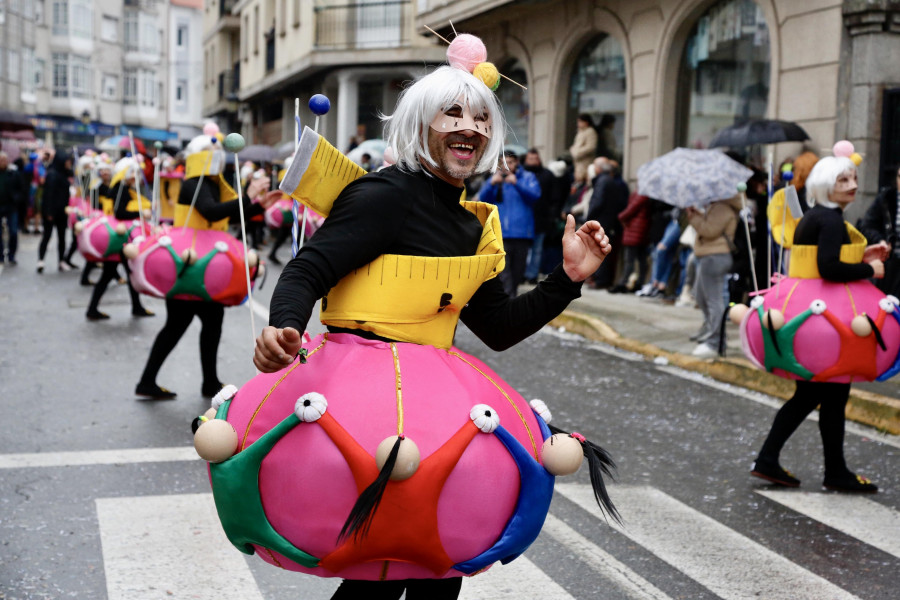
column 102, row 496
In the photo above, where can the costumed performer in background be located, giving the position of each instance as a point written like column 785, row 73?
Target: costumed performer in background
column 447, row 126
column 122, row 202
column 216, row 203
column 831, row 186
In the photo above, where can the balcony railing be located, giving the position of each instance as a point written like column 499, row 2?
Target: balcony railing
column 360, row 25
column 228, row 85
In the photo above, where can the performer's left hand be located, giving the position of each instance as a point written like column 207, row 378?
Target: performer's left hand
column 583, row 249
column 879, row 251
column 270, row 198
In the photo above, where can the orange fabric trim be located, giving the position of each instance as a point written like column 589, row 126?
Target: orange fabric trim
column 857, row 353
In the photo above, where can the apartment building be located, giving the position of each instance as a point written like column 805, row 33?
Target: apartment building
column 84, row 70
column 263, row 54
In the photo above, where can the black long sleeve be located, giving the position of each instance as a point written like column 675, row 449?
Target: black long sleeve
column 208, row 204
column 392, row 212
column 824, row 227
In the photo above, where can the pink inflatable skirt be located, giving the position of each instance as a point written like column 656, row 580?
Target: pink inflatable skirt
column 479, row 494
column 836, row 332
column 102, row 238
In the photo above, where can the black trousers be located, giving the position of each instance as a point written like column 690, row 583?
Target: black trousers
column 60, row 225
column 809, row 394
column 416, row 589
column 110, row 272
column 516, row 260
column 179, row 314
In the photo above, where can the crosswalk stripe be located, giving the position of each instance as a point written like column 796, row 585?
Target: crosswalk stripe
column 160, row 546
column 519, row 579
column 861, row 518
column 713, row 555
column 630, row 583
column 97, row 457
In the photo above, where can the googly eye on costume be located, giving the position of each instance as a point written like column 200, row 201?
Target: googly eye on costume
column 485, row 418
column 310, row 407
column 817, row 306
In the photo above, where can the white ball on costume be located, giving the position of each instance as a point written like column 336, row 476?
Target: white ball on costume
column 121, row 229
column 78, row 227
column 737, row 313
column 861, row 326
column 252, row 258
column 215, row 440
column 561, row 454
column 775, row 318
column 130, row 251
column 408, row 457
column 210, row 414
column 189, row 256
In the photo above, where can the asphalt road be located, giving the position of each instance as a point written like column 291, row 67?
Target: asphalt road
column 101, row 495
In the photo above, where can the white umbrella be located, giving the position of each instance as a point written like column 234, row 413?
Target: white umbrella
column 685, row 177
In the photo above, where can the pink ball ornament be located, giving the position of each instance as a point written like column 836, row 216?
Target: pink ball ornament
column 466, row 51
column 210, row 129
column 843, row 148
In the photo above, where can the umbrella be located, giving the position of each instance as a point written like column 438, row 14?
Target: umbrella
column 758, row 131
column 284, row 150
column 121, row 142
column 374, row 148
column 685, row 177
column 257, row 153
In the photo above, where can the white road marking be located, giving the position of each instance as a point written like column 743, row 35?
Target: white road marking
column 630, row 583
column 766, row 400
column 97, row 457
column 519, row 579
column 716, row 557
column 260, row 310
column 859, row 517
column 170, row 546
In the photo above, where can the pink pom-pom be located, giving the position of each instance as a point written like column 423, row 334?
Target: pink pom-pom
column 210, row 129
column 104, row 156
column 843, row 148
column 466, row 51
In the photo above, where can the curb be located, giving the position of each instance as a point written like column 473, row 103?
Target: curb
column 868, row 408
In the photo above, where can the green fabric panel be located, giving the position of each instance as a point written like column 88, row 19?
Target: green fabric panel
column 192, row 278
column 786, row 360
column 116, row 241
column 235, row 485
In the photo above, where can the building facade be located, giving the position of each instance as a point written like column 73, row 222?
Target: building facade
column 672, row 72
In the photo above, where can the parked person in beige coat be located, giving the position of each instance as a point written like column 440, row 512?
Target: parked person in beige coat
column 584, row 148
column 712, row 251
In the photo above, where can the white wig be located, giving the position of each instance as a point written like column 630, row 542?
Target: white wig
column 824, row 175
column 407, row 129
column 201, row 143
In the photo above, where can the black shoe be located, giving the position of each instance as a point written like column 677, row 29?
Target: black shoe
column 153, row 391
column 142, row 312
column 12, row 262
column 532, row 281
column 774, row 473
column 850, row 482
column 86, row 282
column 210, row 390
column 618, row 289
column 274, row 259
column 72, row 266
column 96, row 316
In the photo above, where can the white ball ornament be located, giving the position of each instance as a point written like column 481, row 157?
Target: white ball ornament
column 561, row 454
column 121, row 229
column 221, row 246
column 252, row 258
column 408, row 457
column 210, row 414
column 165, row 241
column 757, row 302
column 775, row 318
column 189, row 256
column 861, row 326
column 215, row 440
column 737, row 313
column 130, row 251
column 78, row 227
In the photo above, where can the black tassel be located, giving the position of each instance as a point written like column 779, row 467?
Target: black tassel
column 195, row 424
column 600, row 463
column 768, row 320
column 360, row 519
column 877, row 333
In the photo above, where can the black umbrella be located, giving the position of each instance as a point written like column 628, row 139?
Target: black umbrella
column 13, row 121
column 257, row 153
column 758, row 131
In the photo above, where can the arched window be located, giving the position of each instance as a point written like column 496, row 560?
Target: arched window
column 597, row 88
column 724, row 76
column 514, row 101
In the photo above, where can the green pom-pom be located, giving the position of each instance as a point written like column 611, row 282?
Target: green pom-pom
column 742, row 187
column 234, row 142
column 157, row 144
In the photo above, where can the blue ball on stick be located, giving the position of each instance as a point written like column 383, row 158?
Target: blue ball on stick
column 319, row 104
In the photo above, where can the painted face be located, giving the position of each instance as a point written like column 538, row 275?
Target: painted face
column 844, row 188
column 457, row 154
column 459, row 117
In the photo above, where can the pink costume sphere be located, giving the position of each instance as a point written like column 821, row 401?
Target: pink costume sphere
column 816, row 341
column 466, row 51
column 843, row 148
column 101, row 238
